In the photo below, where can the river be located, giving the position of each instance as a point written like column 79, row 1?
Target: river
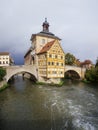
column 26, row 106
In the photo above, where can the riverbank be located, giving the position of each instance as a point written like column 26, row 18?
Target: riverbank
column 3, row 85
column 90, row 83
column 51, row 84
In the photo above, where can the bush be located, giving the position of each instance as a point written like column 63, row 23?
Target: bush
column 92, row 75
column 4, row 87
column 2, row 73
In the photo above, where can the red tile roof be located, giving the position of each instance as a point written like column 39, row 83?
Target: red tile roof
column 86, row 62
column 46, row 47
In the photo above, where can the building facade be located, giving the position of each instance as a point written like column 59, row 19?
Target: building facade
column 5, row 59
column 46, row 54
column 51, row 60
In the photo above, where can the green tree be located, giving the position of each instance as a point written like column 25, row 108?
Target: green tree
column 69, row 59
column 96, row 65
column 92, row 74
column 2, row 73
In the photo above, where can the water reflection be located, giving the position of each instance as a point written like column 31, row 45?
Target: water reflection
column 27, row 106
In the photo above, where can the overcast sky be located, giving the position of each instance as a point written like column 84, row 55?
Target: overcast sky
column 74, row 21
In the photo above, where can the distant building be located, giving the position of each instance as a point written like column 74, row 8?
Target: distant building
column 46, row 54
column 86, row 64
column 5, row 59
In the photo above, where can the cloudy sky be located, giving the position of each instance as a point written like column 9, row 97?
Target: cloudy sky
column 74, row 21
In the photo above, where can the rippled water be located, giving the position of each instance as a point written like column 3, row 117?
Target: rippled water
column 31, row 107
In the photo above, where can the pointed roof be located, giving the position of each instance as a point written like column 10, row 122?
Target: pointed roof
column 46, row 47
column 45, row 26
column 86, row 62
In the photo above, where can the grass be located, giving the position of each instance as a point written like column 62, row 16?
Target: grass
column 4, row 87
column 51, row 84
column 86, row 81
column 40, row 83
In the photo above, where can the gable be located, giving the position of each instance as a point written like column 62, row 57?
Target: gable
column 56, row 48
column 46, row 47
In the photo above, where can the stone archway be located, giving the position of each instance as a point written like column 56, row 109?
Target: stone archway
column 80, row 71
column 72, row 74
column 29, row 75
column 20, row 69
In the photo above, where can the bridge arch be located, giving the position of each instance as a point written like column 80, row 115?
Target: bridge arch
column 13, row 70
column 75, row 70
column 72, row 74
column 21, row 72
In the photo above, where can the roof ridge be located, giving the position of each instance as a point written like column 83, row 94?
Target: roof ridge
column 47, row 47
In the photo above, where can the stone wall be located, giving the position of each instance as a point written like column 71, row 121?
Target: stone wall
column 49, row 80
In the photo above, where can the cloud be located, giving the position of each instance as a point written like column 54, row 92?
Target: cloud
column 74, row 21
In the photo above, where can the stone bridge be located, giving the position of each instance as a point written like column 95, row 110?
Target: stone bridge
column 12, row 70
column 80, row 71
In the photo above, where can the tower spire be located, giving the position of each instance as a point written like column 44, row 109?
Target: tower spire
column 45, row 19
column 45, row 26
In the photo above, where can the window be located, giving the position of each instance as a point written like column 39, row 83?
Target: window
column 45, row 55
column 6, row 62
column 55, row 56
column 61, row 57
column 57, row 63
column 3, row 62
column 0, row 62
column 52, row 63
column 43, row 41
column 48, row 63
column 54, row 72
column 61, row 64
column 50, row 55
